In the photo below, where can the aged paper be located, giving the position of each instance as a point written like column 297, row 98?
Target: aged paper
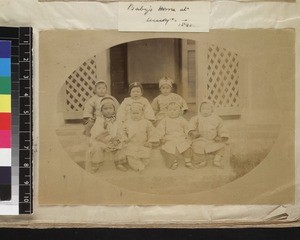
column 258, row 162
column 152, row 0
column 180, row 16
column 224, row 14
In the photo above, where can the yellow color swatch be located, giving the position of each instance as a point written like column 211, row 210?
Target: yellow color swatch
column 5, row 103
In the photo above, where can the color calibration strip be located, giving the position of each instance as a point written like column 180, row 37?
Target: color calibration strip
column 25, row 121
column 5, row 121
column 21, row 121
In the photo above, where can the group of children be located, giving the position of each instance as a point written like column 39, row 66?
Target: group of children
column 128, row 132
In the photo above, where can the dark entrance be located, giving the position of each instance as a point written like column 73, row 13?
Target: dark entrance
column 118, row 71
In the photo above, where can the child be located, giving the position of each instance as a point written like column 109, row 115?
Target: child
column 136, row 95
column 172, row 131
column 104, row 136
column 136, row 132
column 92, row 106
column 208, row 134
column 160, row 103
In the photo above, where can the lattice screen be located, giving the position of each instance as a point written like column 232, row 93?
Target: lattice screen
column 80, row 85
column 223, row 77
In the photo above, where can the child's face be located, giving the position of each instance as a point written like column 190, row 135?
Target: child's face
column 100, row 90
column 136, row 113
column 136, row 93
column 165, row 89
column 206, row 109
column 174, row 111
column 108, row 110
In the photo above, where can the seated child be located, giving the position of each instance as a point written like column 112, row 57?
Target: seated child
column 104, row 137
column 172, row 131
column 136, row 132
column 92, row 106
column 136, row 95
column 160, row 103
column 208, row 134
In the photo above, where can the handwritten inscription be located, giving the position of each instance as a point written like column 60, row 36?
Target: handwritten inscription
column 143, row 9
column 182, row 23
column 148, row 9
column 164, row 16
column 168, row 9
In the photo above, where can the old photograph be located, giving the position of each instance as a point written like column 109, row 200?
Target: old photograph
column 154, row 0
column 165, row 118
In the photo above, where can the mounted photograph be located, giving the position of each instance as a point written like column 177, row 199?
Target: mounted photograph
column 167, row 118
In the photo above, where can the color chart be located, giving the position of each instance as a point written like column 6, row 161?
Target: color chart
column 16, row 121
column 5, row 120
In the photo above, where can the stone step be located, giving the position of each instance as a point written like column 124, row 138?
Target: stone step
column 158, row 179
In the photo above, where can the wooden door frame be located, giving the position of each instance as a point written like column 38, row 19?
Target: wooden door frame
column 103, row 68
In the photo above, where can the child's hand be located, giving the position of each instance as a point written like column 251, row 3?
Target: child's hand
column 102, row 136
column 88, row 121
column 194, row 134
column 155, row 144
column 224, row 139
column 115, row 141
column 99, row 138
column 221, row 139
column 218, row 139
column 110, row 148
column 148, row 144
column 92, row 119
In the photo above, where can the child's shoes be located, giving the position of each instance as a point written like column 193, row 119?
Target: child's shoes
column 141, row 170
column 201, row 164
column 189, row 165
column 174, row 166
column 121, row 167
column 94, row 167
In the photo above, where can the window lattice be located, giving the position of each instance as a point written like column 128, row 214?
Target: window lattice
column 80, row 85
column 223, row 77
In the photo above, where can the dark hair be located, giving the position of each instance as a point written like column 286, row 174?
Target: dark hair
column 107, row 98
column 135, row 84
column 100, row 82
column 206, row 102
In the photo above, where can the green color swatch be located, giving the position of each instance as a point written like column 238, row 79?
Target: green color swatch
column 5, row 85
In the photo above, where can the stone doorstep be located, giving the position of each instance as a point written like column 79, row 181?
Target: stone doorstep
column 157, row 164
column 158, row 179
column 166, row 181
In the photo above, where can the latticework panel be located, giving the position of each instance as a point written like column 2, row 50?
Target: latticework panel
column 80, row 85
column 223, row 77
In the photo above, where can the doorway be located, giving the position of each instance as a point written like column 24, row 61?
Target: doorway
column 147, row 61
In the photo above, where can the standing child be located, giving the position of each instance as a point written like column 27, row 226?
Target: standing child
column 160, row 103
column 104, row 137
column 136, row 132
column 136, row 95
column 172, row 132
column 208, row 134
column 92, row 106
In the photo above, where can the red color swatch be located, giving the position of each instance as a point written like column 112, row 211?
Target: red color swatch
column 5, row 121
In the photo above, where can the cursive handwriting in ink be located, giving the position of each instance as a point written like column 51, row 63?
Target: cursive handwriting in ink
column 166, row 9
column 184, row 9
column 143, row 9
column 166, row 21
column 185, row 23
